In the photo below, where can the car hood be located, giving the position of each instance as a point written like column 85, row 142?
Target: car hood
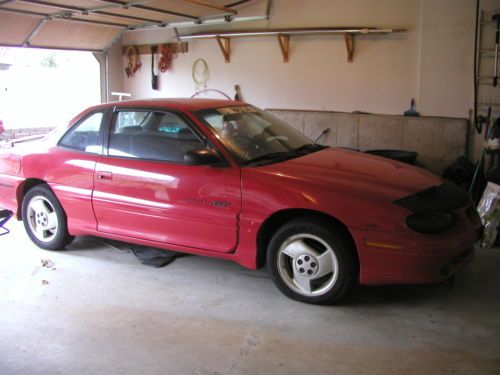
column 354, row 173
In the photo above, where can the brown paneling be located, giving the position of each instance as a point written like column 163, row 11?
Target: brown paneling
column 184, row 7
column 16, row 5
column 136, row 12
column 69, row 34
column 61, row 33
column 15, row 28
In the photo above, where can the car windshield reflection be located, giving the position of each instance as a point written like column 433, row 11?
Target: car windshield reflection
column 256, row 137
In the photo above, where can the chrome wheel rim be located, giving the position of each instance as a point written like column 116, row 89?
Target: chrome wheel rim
column 307, row 265
column 42, row 219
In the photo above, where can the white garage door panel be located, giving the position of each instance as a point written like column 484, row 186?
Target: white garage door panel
column 15, row 28
column 70, row 34
column 92, row 24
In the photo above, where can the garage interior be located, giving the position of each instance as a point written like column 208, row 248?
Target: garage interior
column 343, row 73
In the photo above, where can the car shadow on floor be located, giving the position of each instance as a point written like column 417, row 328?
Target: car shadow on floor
column 358, row 296
column 395, row 294
column 84, row 243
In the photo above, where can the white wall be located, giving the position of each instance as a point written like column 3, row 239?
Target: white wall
column 447, row 57
column 432, row 62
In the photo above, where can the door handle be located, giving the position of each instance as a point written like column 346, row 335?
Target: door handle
column 104, row 176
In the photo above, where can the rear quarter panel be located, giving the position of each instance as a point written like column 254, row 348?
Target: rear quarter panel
column 71, row 176
column 10, row 179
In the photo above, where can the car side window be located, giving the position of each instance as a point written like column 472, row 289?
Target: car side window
column 150, row 135
column 85, row 136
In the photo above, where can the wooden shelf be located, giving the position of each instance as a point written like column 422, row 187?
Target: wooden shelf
column 223, row 38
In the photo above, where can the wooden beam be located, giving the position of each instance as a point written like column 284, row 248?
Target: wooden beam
column 225, row 48
column 202, row 4
column 284, row 41
column 349, row 43
column 119, row 3
column 145, row 49
column 117, row 15
column 54, row 5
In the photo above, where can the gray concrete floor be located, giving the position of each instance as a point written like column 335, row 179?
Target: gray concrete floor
column 97, row 310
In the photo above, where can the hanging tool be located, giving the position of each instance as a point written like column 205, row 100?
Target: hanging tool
column 496, row 18
column 200, row 74
column 133, row 61
column 154, row 77
column 483, row 121
column 167, row 55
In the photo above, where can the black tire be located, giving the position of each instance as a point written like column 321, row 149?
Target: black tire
column 313, row 243
column 49, row 239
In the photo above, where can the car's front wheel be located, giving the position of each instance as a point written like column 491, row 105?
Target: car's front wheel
column 44, row 219
column 311, row 262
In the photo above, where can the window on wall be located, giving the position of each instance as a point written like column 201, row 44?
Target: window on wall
column 85, row 136
column 151, row 135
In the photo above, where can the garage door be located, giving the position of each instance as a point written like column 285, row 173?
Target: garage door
column 92, row 25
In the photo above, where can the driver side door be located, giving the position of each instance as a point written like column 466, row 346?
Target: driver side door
column 144, row 189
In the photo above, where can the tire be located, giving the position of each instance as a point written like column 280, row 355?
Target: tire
column 44, row 219
column 310, row 261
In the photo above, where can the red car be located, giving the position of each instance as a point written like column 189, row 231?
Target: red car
column 227, row 180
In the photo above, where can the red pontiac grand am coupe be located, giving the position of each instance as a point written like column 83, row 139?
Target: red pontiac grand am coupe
column 227, row 180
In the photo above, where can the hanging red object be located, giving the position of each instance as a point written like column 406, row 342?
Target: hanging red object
column 165, row 59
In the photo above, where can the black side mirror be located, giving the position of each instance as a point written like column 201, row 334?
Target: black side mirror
column 202, row 157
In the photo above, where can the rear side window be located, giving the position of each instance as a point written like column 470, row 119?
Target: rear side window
column 149, row 135
column 85, row 136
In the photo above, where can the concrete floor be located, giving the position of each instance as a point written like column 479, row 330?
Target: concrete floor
column 97, row 310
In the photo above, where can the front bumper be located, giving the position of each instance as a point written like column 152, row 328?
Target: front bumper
column 415, row 258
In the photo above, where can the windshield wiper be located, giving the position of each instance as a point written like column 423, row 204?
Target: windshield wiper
column 308, row 147
column 272, row 156
column 284, row 155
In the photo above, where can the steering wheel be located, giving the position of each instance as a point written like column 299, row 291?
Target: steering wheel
column 250, row 146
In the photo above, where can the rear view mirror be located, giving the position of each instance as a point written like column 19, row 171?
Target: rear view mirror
column 202, row 157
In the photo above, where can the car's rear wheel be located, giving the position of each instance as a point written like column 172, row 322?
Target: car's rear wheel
column 44, row 219
column 310, row 261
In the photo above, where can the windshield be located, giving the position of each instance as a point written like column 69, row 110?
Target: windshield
column 254, row 136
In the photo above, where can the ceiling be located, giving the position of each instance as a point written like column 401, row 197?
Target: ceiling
column 93, row 25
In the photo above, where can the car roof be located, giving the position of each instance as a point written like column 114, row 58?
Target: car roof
column 182, row 104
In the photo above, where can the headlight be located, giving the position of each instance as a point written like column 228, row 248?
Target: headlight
column 430, row 222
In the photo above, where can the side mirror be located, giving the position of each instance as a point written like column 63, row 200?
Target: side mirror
column 202, row 157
